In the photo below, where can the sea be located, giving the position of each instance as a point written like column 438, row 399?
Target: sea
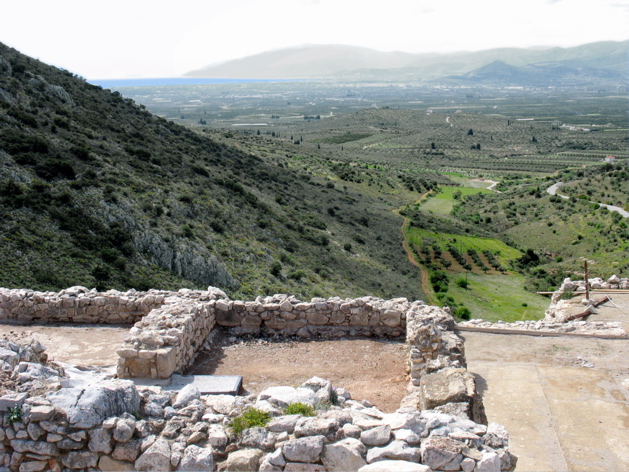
column 158, row 82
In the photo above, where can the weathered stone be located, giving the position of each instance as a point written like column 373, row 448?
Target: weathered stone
column 442, row 453
column 69, row 444
column 344, row 455
column 378, row 436
column 257, row 438
column 86, row 408
column 496, row 436
column 108, row 464
column 395, row 466
column 156, row 457
column 41, row 413
column 243, row 460
column 447, row 386
column 396, row 450
column 351, row 431
column 306, row 449
column 303, row 467
column 127, row 451
column 80, row 460
column 216, row 436
column 37, row 447
column 405, row 420
column 287, row 423
column 276, row 458
column 197, row 458
column 489, row 463
column 34, row 431
column 284, row 396
column 33, row 466
column 186, row 395
column 315, row 426
column 124, row 429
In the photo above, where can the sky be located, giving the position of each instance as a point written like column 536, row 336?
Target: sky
column 167, row 38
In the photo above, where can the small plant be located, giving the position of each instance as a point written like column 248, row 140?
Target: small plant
column 299, row 409
column 14, row 414
column 250, row 418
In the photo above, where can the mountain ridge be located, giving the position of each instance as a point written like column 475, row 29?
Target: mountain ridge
column 350, row 62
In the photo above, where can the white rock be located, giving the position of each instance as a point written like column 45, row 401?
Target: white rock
column 306, row 449
column 395, row 466
column 489, row 463
column 397, row 450
column 156, row 457
column 197, row 458
column 186, row 395
column 344, row 455
column 378, row 436
column 284, row 396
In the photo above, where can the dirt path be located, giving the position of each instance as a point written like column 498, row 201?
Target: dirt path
column 424, row 280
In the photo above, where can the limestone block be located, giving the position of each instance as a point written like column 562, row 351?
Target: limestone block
column 156, row 457
column 307, row 449
column 109, row 464
column 344, row 455
column 80, row 460
column 165, row 362
column 317, row 319
column 395, row 466
column 228, row 318
column 241, row 460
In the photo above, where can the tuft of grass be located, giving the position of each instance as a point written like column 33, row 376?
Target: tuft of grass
column 299, row 409
column 250, row 418
column 14, row 414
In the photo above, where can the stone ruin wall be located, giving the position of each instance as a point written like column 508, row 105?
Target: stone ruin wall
column 166, row 340
column 170, row 327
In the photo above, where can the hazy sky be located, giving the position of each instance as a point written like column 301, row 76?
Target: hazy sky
column 159, row 38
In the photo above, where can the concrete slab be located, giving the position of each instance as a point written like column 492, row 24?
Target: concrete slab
column 564, row 401
column 208, row 384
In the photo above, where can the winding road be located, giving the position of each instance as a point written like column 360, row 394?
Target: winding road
column 553, row 191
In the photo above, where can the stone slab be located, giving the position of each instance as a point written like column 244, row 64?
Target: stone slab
column 208, row 384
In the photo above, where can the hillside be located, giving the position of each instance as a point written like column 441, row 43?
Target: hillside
column 97, row 191
column 601, row 61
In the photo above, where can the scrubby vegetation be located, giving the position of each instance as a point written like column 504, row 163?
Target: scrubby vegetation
column 97, row 190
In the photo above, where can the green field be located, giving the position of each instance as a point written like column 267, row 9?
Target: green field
column 442, row 202
column 499, row 297
column 463, row 243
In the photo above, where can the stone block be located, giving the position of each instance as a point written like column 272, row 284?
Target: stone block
column 165, row 362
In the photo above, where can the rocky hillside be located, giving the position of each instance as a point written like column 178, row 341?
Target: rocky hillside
column 97, row 191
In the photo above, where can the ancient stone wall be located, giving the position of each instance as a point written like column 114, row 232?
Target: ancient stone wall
column 78, row 305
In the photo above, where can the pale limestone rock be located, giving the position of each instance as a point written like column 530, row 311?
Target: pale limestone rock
column 242, row 460
column 395, row 466
column 100, row 440
column 124, row 429
column 496, row 436
column 306, row 449
column 396, row 450
column 286, row 423
column 284, row 396
column 489, row 463
column 186, row 395
column 156, row 457
column 109, row 464
column 127, row 451
column 257, row 438
column 80, row 460
column 345, row 455
column 315, row 426
column 442, row 453
column 276, row 458
column 197, row 458
column 378, row 436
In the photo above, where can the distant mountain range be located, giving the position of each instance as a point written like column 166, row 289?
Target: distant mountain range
column 595, row 62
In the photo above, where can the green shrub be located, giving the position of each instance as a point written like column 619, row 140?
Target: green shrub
column 463, row 283
column 14, row 414
column 250, row 418
column 299, row 409
column 463, row 313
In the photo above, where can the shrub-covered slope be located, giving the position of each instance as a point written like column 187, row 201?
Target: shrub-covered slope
column 97, row 191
